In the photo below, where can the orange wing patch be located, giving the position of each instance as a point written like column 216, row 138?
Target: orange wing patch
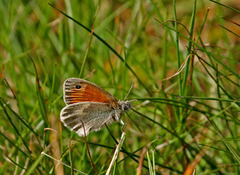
column 85, row 93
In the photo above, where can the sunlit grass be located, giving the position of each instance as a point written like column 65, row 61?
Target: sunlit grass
column 185, row 123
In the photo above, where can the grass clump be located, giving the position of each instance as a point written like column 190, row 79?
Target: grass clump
column 180, row 124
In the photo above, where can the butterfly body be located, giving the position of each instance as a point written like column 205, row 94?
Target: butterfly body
column 89, row 107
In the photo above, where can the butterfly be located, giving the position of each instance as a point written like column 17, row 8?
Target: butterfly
column 89, row 107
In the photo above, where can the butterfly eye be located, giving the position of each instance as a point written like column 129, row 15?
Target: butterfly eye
column 78, row 86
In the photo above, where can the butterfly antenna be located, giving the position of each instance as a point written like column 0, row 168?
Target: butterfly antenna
column 129, row 91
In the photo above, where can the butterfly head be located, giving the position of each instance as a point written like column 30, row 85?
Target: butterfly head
column 124, row 105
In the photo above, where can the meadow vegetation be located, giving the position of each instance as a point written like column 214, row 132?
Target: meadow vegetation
column 183, row 57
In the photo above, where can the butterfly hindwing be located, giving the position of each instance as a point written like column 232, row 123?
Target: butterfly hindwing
column 90, row 115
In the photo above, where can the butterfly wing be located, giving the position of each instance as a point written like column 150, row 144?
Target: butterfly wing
column 78, row 90
column 92, row 116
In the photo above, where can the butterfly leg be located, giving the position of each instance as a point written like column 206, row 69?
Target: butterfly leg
column 121, row 122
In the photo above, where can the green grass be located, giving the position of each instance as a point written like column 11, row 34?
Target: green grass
column 190, row 121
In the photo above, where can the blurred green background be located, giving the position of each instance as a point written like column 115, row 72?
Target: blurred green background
column 189, row 122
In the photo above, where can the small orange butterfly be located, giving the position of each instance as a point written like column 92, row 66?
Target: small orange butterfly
column 89, row 106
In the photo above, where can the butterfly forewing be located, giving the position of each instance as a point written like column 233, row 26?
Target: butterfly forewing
column 77, row 90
